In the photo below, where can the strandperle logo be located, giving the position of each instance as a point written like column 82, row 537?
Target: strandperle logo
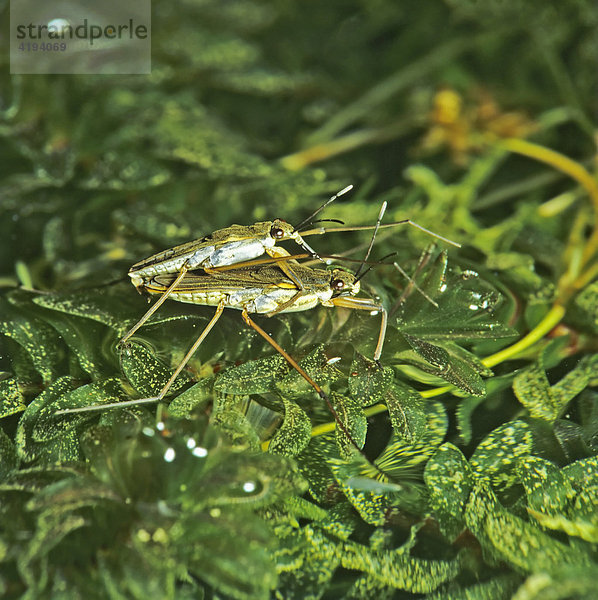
column 80, row 37
column 84, row 31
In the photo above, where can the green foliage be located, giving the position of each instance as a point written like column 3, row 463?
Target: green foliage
column 466, row 465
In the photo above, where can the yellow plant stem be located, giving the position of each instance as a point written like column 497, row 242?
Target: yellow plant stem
column 569, row 283
column 557, row 160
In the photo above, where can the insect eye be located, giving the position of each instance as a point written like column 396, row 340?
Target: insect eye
column 337, row 285
column 277, row 233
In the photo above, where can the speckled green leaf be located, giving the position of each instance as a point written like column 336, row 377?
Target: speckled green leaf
column 367, row 587
column 84, row 337
column 368, row 383
column 315, row 364
column 8, row 455
column 466, row 306
column 496, row 457
column 187, row 133
column 146, row 373
column 47, row 426
column 97, row 305
column 398, row 569
column 318, row 558
column 37, row 338
column 532, row 388
column 11, row 398
column 498, row 588
column 102, row 305
column 570, row 582
column 407, row 412
column 372, row 506
column 586, row 529
column 547, row 488
column 513, row 540
column 449, row 479
column 294, row 433
column 350, row 412
column 189, row 400
column 313, row 465
column 583, row 473
column 124, row 171
column 255, row 377
column 42, row 434
column 26, row 446
column 451, row 368
column 399, row 458
column 587, row 302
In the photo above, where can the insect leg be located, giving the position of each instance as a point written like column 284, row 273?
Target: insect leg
column 156, row 305
column 164, row 390
column 191, row 352
column 366, row 304
column 295, row 365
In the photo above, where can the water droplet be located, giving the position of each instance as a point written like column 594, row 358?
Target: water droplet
column 148, row 431
column 249, row 487
column 169, row 455
column 160, row 426
column 200, row 452
column 191, row 443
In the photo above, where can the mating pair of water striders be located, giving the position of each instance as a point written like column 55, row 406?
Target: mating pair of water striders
column 224, row 270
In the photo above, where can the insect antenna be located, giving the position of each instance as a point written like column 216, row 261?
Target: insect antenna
column 373, row 265
column 413, row 283
column 319, row 210
column 377, row 226
column 321, row 221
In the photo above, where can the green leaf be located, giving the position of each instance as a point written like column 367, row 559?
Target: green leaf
column 569, row 581
column 509, row 538
column 315, row 364
column 453, row 368
column 255, row 377
column 373, row 505
column 466, row 307
column 8, row 455
column 498, row 588
column 295, row 432
column 57, row 445
column 146, row 373
column 48, row 426
column 407, row 412
column 11, row 399
column 496, row 458
column 449, row 479
column 82, row 336
column 351, row 415
column 547, row 488
column 400, row 458
column 548, row 402
column 37, row 338
column 186, row 132
column 398, row 569
column 190, row 400
column 368, row 383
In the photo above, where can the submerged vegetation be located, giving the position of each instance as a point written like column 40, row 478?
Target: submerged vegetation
column 478, row 477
